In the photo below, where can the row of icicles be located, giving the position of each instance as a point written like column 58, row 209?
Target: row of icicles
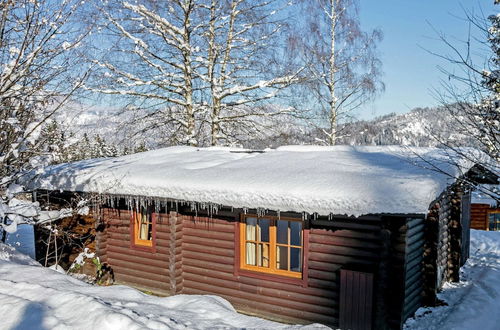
column 139, row 202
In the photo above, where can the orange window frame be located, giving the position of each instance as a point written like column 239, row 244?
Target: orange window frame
column 135, row 229
column 272, row 269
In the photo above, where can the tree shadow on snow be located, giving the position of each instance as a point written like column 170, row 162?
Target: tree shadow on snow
column 32, row 317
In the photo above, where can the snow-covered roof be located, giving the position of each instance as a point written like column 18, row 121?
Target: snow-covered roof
column 338, row 180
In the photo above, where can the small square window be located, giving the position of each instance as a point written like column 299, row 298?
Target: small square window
column 143, row 225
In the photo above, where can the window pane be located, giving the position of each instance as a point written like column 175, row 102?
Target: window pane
column 143, row 232
column 282, row 257
column 263, row 255
column 251, row 228
column 295, row 233
column 295, row 260
column 144, row 216
column 150, row 231
column 250, row 253
column 282, row 232
column 494, row 221
column 264, row 230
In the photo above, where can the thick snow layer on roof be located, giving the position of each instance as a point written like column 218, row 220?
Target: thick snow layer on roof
column 339, row 180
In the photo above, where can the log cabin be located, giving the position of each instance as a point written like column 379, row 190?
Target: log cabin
column 485, row 208
column 350, row 237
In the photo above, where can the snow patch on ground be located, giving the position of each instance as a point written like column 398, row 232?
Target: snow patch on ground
column 34, row 297
column 474, row 302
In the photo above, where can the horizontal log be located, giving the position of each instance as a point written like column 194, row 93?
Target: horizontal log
column 208, row 249
column 261, row 287
column 411, row 308
column 232, row 289
column 416, row 229
column 415, row 262
column 128, row 264
column 206, row 221
column 161, row 246
column 345, row 233
column 208, row 242
column 415, row 238
column 342, row 250
column 321, row 242
column 322, row 275
column 159, row 263
column 156, row 287
column 228, row 268
column 328, row 267
column 207, row 257
column 417, row 285
column 136, row 253
column 140, row 274
column 271, row 283
column 345, row 225
column 226, row 227
column 209, row 234
column 414, row 272
column 412, row 293
column 273, row 312
column 340, row 259
column 332, row 287
column 414, row 222
column 166, row 236
column 414, row 254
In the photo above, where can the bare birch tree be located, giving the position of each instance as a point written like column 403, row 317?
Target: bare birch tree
column 151, row 60
column 39, row 41
column 343, row 66
column 195, row 68
column 241, row 37
column 39, row 49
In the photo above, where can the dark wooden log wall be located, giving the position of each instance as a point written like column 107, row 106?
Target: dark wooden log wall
column 208, row 247
column 196, row 255
column 479, row 216
column 399, row 269
column 140, row 268
column 443, row 243
column 413, row 266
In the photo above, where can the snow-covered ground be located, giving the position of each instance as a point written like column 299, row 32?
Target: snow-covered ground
column 474, row 302
column 23, row 240
column 34, row 297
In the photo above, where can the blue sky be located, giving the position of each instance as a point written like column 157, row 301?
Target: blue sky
column 410, row 72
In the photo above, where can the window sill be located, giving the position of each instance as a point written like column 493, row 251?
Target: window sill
column 142, row 247
column 271, row 277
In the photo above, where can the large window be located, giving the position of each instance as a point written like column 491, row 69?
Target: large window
column 271, row 245
column 143, row 227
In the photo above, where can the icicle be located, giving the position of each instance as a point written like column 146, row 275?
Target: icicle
column 278, row 214
column 245, row 210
